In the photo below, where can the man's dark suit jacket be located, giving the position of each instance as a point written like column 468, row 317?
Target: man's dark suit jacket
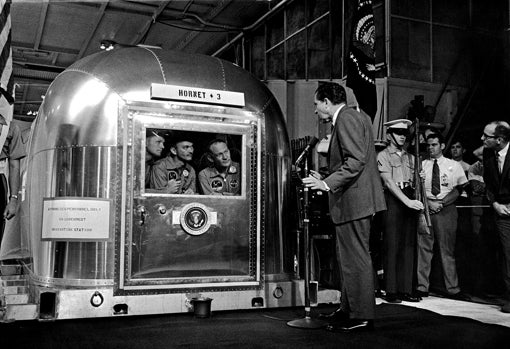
column 498, row 185
column 355, row 183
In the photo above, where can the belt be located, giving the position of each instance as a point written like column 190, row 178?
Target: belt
column 403, row 185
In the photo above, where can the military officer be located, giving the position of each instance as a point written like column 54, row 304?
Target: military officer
column 396, row 167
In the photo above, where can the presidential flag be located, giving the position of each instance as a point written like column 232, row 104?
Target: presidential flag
column 361, row 61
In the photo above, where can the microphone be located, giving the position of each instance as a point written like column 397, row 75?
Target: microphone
column 305, row 152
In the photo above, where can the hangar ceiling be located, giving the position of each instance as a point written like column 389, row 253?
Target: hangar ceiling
column 50, row 35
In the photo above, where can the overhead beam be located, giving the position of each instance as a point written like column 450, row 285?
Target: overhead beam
column 141, row 34
column 49, row 49
column 95, row 25
column 254, row 26
column 209, row 16
column 42, row 22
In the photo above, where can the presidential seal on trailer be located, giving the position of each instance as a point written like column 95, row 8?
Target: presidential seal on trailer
column 196, row 218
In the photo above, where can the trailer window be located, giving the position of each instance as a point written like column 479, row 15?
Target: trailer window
column 184, row 162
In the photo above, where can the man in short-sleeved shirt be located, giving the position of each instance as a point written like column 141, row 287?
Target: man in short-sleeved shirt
column 223, row 177
column 443, row 216
column 396, row 167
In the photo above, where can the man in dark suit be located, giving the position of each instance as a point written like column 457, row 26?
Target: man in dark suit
column 496, row 175
column 355, row 195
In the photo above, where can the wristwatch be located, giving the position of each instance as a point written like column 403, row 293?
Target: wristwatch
column 13, row 196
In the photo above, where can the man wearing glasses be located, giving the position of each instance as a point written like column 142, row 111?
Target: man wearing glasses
column 496, row 165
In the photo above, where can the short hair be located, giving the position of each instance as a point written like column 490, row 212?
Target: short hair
column 180, row 136
column 153, row 133
column 502, row 130
column 458, row 141
column 214, row 141
column 439, row 137
column 332, row 91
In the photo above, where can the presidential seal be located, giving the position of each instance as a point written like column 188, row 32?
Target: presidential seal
column 195, row 219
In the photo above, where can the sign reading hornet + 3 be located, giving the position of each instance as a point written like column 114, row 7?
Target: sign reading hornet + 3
column 197, row 95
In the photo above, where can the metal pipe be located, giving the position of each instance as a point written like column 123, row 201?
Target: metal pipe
column 387, row 34
column 253, row 26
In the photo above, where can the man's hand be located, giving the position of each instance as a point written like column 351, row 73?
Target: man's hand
column 315, row 174
column 501, row 210
column 314, row 183
column 435, row 206
column 173, row 186
column 10, row 210
column 415, row 205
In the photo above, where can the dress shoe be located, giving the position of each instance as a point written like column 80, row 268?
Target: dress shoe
column 351, row 325
column 421, row 294
column 392, row 298
column 460, row 296
column 337, row 315
column 506, row 307
column 406, row 297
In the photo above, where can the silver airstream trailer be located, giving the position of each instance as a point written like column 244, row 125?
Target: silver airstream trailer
column 102, row 243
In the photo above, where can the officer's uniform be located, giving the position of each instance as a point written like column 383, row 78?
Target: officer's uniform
column 213, row 182
column 444, row 225
column 399, row 220
column 172, row 168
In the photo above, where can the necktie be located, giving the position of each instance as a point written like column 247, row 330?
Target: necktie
column 436, row 188
column 499, row 162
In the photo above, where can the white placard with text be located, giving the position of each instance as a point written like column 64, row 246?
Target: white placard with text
column 80, row 219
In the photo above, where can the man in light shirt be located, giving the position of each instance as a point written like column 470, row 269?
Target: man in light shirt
column 443, row 178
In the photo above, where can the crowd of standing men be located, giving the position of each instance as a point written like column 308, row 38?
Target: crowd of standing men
column 362, row 183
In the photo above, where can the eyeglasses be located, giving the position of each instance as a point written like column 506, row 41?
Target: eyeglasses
column 488, row 136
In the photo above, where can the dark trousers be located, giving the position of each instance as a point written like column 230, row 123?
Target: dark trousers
column 355, row 265
column 503, row 228
column 3, row 204
column 399, row 246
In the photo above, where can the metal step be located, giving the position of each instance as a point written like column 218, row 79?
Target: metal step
column 15, row 289
column 7, row 283
column 14, row 295
column 11, row 269
column 13, row 280
column 17, row 312
column 19, row 299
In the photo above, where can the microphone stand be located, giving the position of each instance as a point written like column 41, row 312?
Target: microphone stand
column 307, row 321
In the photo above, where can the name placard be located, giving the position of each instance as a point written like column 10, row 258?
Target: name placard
column 197, row 95
column 80, row 219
